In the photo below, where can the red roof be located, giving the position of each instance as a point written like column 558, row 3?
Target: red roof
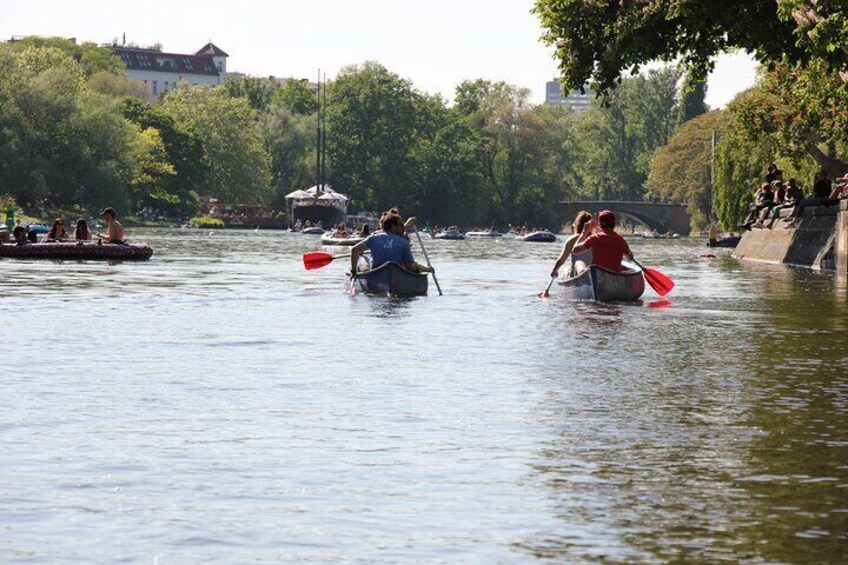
column 211, row 49
column 148, row 60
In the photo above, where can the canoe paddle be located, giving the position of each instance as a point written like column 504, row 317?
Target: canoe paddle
column 547, row 292
column 421, row 243
column 661, row 284
column 317, row 259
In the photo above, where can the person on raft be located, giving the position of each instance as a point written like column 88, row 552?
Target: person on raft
column 56, row 232
column 608, row 248
column 580, row 221
column 389, row 246
column 81, row 231
column 114, row 229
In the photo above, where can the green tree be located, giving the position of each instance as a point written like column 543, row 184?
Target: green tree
column 175, row 193
column 298, row 97
column 258, row 92
column 373, row 123
column 681, row 171
column 289, row 139
column 90, row 57
column 604, row 38
column 237, row 163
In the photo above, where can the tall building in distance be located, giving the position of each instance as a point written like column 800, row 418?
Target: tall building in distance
column 576, row 101
column 160, row 72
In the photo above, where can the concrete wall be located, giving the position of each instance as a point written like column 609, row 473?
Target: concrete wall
column 813, row 243
column 841, row 243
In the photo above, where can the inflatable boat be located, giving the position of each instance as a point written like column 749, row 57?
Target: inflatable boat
column 74, row 250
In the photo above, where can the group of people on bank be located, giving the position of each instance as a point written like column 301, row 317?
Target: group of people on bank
column 775, row 195
column 59, row 233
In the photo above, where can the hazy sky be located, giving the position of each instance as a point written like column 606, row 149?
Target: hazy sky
column 435, row 43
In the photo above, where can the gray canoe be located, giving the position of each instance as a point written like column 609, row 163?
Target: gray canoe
column 391, row 278
column 597, row 283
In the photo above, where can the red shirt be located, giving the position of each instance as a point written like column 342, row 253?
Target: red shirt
column 608, row 248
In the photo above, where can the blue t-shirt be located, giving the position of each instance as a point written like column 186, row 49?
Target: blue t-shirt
column 387, row 247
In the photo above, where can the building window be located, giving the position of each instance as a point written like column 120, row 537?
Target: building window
column 155, row 87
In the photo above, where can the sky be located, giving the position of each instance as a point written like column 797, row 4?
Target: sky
column 436, row 43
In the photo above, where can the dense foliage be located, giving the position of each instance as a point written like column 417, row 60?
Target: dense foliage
column 76, row 131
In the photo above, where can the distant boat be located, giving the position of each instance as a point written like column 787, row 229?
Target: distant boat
column 484, row 233
column 542, row 236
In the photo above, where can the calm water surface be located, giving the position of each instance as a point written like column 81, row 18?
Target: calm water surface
column 220, row 404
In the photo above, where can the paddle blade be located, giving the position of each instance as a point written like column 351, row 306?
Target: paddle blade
column 661, row 284
column 316, row 260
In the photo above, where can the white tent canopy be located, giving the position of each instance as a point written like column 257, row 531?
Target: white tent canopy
column 333, row 196
column 300, row 195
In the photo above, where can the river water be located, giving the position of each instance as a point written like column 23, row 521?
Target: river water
column 221, row 404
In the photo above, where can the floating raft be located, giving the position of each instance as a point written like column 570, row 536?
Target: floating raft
column 328, row 239
column 78, row 251
column 540, row 236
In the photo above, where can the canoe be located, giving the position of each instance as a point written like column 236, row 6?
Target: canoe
column 328, row 239
column 540, row 236
column 78, row 251
column 449, row 235
column 483, row 234
column 597, row 283
column 313, row 231
column 391, row 278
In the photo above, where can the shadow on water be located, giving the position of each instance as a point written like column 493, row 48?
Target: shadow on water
column 702, row 440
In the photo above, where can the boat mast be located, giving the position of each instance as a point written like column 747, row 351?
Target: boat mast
column 318, row 144
column 323, row 120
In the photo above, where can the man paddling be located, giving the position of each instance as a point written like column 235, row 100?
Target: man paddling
column 389, row 246
column 608, row 248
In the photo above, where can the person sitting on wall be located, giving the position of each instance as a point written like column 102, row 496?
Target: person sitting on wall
column 822, row 188
column 764, row 200
column 114, row 229
column 792, row 196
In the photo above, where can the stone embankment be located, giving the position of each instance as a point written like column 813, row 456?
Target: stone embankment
column 819, row 240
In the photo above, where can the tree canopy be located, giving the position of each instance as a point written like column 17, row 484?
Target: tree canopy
column 601, row 39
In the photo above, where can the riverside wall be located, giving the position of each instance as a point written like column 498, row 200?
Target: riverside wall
column 820, row 240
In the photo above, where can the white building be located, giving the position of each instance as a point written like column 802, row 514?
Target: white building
column 161, row 72
column 575, row 100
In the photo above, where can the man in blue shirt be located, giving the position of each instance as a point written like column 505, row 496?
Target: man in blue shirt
column 389, row 246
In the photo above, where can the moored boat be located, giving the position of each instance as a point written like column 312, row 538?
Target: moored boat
column 542, row 236
column 449, row 235
column 597, row 283
column 78, row 251
column 328, row 239
column 729, row 241
column 392, row 279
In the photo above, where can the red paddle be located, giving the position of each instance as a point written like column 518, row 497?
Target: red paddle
column 661, row 284
column 317, row 259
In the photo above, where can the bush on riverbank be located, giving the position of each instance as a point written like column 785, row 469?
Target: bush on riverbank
column 206, row 222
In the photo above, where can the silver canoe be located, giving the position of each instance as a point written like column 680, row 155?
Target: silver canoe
column 392, row 279
column 597, row 283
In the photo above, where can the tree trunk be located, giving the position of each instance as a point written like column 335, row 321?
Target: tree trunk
column 835, row 167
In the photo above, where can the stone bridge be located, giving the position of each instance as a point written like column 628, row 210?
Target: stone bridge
column 660, row 217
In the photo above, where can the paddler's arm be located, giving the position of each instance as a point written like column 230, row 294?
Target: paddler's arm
column 581, row 243
column 355, row 253
column 563, row 257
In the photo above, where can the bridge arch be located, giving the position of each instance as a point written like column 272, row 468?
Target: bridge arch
column 656, row 216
